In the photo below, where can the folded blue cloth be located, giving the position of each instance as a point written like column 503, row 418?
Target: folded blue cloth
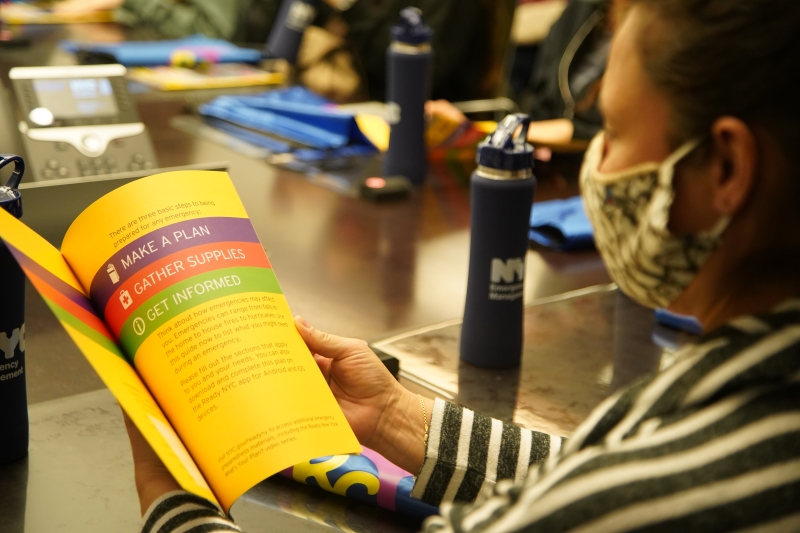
column 256, row 139
column 561, row 225
column 295, row 114
column 186, row 51
column 689, row 324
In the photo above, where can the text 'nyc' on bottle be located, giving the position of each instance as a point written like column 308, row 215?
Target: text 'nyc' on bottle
column 409, row 64
column 502, row 189
column 13, row 395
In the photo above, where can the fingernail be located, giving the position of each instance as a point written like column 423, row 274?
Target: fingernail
column 365, row 342
column 302, row 321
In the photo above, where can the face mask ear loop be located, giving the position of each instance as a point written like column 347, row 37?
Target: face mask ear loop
column 666, row 176
column 666, row 172
column 664, row 194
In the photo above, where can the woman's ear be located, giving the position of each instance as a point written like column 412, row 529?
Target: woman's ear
column 734, row 160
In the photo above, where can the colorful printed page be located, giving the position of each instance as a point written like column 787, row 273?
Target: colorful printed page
column 52, row 277
column 175, row 268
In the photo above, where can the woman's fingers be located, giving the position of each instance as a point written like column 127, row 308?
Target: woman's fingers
column 327, row 345
column 150, row 475
column 139, row 446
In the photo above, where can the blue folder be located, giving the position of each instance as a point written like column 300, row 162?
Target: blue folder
column 561, row 225
column 294, row 114
column 186, row 51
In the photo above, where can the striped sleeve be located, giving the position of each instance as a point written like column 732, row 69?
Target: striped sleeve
column 468, row 453
column 710, row 444
column 183, row 512
column 732, row 466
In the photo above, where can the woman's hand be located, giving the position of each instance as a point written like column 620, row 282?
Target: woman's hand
column 383, row 414
column 153, row 480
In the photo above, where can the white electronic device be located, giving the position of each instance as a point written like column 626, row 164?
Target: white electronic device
column 79, row 121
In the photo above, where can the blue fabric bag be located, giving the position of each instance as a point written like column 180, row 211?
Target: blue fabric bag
column 561, row 225
column 294, row 114
column 184, row 52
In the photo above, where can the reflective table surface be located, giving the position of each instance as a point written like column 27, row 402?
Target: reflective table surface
column 350, row 266
column 578, row 348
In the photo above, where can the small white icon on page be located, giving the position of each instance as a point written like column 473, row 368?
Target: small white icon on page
column 112, row 273
column 125, row 299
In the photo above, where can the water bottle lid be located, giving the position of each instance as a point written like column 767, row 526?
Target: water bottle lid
column 10, row 198
column 504, row 151
column 411, row 28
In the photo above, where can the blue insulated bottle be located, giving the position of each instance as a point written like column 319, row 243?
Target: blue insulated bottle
column 502, row 194
column 13, row 396
column 293, row 18
column 409, row 62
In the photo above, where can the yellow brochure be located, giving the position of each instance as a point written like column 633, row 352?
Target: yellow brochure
column 166, row 289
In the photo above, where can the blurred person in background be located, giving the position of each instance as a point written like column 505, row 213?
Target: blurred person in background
column 562, row 94
column 469, row 36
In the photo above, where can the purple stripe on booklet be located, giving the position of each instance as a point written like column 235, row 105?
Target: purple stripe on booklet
column 367, row 478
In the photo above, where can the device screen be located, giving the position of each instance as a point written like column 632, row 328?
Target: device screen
column 77, row 97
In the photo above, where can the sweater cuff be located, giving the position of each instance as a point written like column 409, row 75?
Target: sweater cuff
column 184, row 511
column 468, row 453
column 431, row 451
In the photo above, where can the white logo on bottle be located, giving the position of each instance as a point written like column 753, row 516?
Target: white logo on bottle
column 9, row 344
column 112, row 273
column 125, row 299
column 508, row 271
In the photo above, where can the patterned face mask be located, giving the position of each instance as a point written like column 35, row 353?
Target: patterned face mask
column 629, row 211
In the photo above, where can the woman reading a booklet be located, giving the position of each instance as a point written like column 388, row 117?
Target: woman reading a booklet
column 693, row 192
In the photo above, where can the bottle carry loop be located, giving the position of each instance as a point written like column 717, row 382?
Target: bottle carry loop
column 10, row 198
column 506, row 154
column 19, row 169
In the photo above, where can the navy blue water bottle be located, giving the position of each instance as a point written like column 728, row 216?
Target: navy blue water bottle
column 502, row 189
column 293, row 18
column 409, row 64
column 13, row 395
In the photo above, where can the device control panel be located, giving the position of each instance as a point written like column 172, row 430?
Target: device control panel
column 79, row 121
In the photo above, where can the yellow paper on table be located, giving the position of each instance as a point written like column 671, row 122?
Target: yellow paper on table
column 21, row 13
column 166, row 289
column 214, row 76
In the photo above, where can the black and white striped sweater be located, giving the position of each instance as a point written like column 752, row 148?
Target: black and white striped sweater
column 710, row 444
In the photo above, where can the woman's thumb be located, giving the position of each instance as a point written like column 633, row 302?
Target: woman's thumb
column 325, row 344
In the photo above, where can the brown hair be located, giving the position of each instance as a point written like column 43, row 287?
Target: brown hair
column 717, row 58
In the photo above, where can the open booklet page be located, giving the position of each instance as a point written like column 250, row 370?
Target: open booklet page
column 173, row 265
column 55, row 282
